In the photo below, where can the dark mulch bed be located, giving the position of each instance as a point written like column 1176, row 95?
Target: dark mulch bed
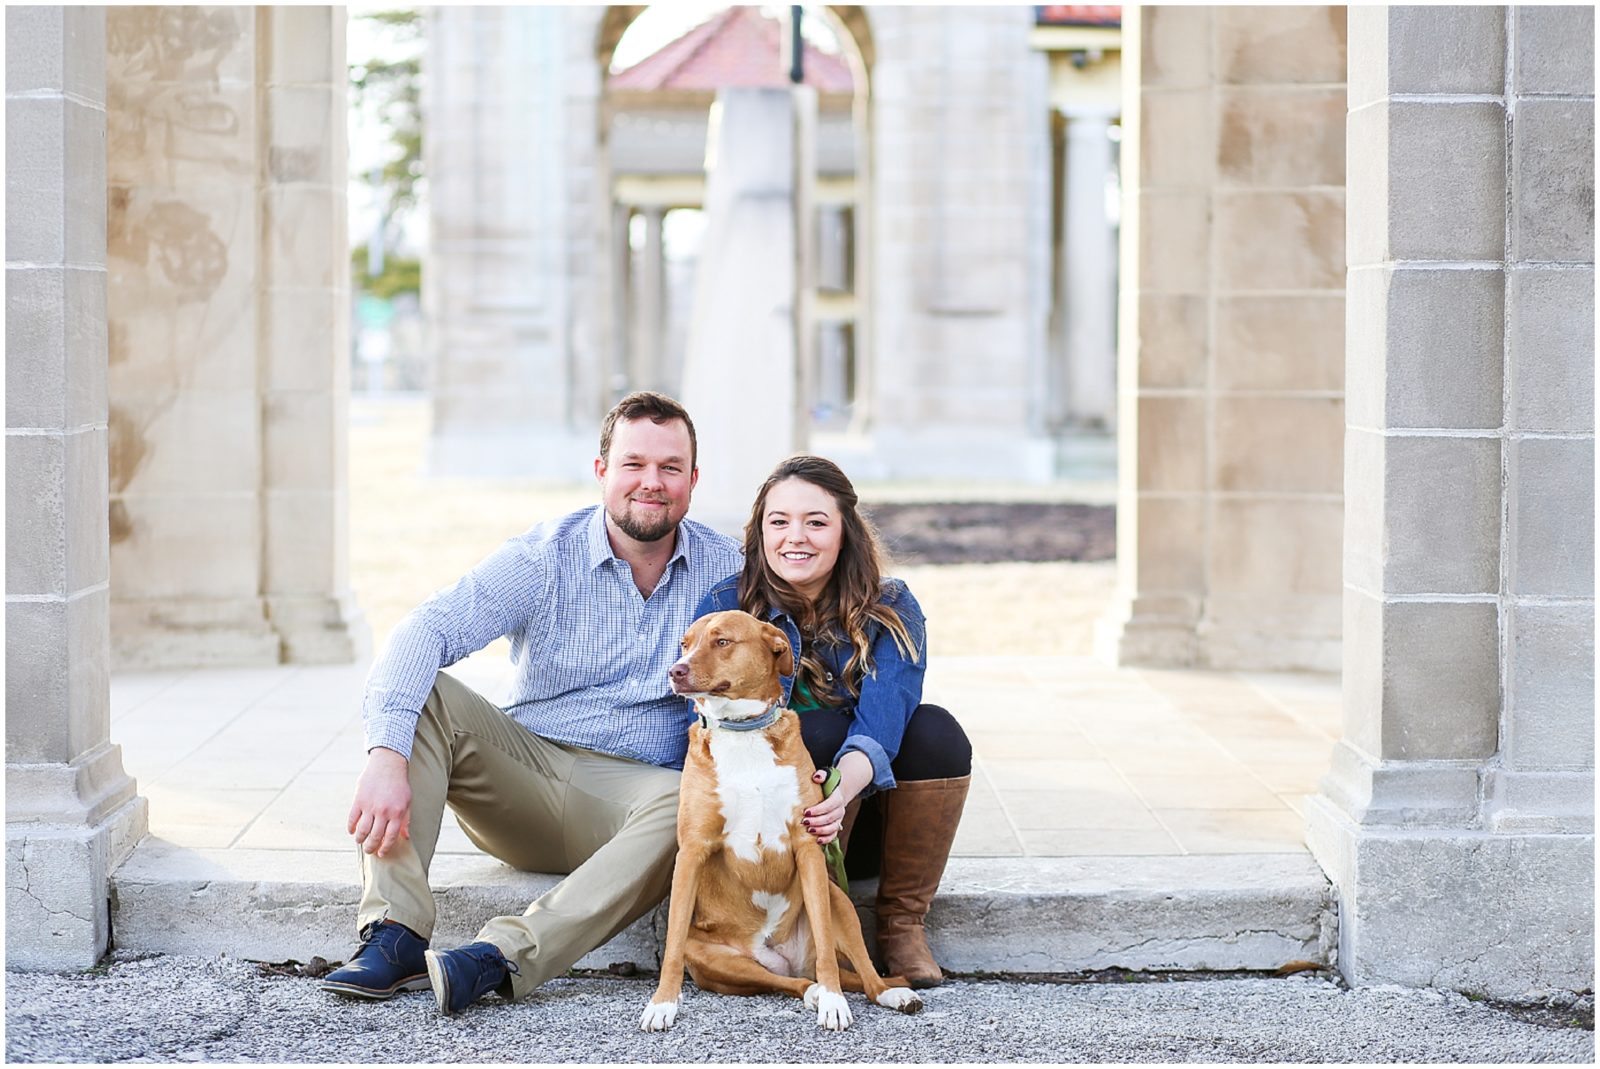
column 975, row 532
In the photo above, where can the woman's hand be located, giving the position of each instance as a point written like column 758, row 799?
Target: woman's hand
column 826, row 819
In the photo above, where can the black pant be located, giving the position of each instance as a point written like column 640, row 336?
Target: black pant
column 934, row 747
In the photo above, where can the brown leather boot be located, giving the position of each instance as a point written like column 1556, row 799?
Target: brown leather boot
column 919, row 824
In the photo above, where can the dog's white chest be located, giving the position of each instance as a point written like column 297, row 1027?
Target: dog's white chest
column 758, row 795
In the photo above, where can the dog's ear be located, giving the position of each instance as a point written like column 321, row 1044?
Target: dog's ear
column 780, row 649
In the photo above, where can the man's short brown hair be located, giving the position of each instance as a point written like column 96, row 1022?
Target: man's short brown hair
column 658, row 408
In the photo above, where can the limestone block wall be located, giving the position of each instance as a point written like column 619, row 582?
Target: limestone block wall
column 514, row 292
column 960, row 235
column 1232, row 338
column 71, row 812
column 1458, row 820
column 227, row 314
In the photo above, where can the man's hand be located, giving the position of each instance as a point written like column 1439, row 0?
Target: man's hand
column 826, row 819
column 381, row 814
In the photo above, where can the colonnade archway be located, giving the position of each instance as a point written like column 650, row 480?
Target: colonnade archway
column 1457, row 822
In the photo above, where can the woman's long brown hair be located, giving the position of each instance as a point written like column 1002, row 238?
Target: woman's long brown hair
column 848, row 603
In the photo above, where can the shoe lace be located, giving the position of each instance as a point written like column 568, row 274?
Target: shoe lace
column 492, row 957
column 375, row 935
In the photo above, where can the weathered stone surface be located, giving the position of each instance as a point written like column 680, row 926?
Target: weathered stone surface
column 1445, row 349
column 185, row 441
column 1168, row 462
column 1169, row 39
column 163, row 547
column 1280, row 240
column 1551, row 320
column 1280, row 342
column 1273, row 548
column 1367, row 73
column 1366, row 306
column 1441, row 526
column 1552, row 510
column 1501, row 916
column 1252, row 434
column 1367, row 201
column 1174, row 242
column 37, row 514
column 1177, row 139
column 1550, row 693
column 55, row 346
column 1446, row 182
column 1552, row 163
column 1361, row 673
column 1551, row 57
column 1280, row 45
column 55, row 148
column 1446, row 49
column 1441, row 680
column 1279, row 136
column 993, row 914
column 1365, row 542
column 1173, row 341
column 1171, row 551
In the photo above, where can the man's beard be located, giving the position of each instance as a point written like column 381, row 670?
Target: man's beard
column 644, row 529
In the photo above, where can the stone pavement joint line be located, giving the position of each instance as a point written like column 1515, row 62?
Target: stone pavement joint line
column 1125, row 818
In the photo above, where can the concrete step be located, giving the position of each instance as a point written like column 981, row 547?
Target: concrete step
column 1023, row 915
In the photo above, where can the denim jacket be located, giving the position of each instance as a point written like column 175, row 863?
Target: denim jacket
column 889, row 694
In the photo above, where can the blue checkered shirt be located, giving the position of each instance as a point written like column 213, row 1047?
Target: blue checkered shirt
column 591, row 653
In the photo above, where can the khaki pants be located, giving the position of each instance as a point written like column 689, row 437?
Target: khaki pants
column 538, row 806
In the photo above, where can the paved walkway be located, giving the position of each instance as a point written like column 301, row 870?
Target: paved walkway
column 1073, row 759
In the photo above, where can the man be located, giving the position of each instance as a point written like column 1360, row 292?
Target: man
column 575, row 775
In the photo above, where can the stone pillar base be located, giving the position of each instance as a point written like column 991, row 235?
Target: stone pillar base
column 67, row 828
column 1156, row 631
column 1506, row 916
column 1169, row 631
column 155, row 633
column 320, row 630
column 1248, row 649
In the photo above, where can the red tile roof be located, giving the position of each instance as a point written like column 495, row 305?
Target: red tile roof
column 1079, row 14
column 737, row 48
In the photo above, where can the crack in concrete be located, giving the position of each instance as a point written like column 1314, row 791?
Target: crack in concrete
column 27, row 889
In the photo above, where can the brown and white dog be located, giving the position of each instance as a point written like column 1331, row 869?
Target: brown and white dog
column 751, row 899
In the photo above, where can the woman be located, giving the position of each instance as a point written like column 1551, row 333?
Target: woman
column 812, row 566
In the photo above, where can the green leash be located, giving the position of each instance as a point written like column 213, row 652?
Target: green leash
column 833, row 853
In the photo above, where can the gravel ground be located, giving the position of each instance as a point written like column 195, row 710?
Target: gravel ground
column 173, row 1009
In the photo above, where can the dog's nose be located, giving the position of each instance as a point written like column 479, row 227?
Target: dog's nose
column 678, row 671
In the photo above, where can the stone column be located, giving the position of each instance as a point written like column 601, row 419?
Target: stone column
column 184, row 241
column 1457, row 822
column 742, row 341
column 516, row 287
column 648, row 289
column 1231, row 341
column 1088, row 276
column 229, row 353
column 959, row 209
column 305, row 336
column 71, row 811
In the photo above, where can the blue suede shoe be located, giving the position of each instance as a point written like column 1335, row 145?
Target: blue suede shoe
column 464, row 975
column 388, row 961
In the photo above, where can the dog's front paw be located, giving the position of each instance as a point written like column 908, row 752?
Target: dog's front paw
column 658, row 1016
column 833, row 1012
column 901, row 998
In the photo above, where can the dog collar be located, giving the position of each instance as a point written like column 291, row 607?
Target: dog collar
column 755, row 723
